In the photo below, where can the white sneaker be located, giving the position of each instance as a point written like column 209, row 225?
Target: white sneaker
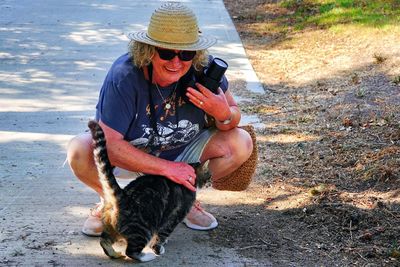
column 93, row 226
column 199, row 219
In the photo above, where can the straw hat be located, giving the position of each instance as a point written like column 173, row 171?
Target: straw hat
column 173, row 26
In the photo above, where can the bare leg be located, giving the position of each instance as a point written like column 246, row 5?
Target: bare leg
column 227, row 150
column 80, row 158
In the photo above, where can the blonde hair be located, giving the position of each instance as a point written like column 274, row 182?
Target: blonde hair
column 143, row 53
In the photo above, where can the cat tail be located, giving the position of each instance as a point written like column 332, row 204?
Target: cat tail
column 111, row 189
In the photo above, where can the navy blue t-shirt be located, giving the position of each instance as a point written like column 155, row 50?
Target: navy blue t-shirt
column 124, row 106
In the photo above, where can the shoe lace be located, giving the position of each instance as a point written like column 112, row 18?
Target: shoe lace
column 97, row 210
column 198, row 206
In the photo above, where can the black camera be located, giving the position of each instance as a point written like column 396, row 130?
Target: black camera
column 212, row 76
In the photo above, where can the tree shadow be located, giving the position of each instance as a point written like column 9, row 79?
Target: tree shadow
column 327, row 234
column 329, row 131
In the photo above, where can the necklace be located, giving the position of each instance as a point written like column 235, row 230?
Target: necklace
column 167, row 103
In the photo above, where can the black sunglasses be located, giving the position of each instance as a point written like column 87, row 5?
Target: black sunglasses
column 166, row 54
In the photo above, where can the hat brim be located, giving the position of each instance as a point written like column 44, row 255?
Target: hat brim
column 204, row 42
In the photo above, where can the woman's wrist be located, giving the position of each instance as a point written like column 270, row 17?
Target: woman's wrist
column 230, row 121
column 227, row 121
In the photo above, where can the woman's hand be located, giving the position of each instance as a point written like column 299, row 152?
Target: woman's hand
column 124, row 155
column 181, row 173
column 215, row 105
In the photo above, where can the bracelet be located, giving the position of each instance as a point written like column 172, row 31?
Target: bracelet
column 227, row 121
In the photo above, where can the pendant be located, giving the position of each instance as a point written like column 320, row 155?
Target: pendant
column 167, row 106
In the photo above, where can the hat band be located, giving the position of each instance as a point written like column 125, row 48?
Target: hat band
column 172, row 39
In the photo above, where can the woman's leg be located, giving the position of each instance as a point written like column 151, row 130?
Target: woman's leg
column 227, row 151
column 80, row 159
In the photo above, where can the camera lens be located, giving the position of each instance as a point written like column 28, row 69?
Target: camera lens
column 221, row 63
column 217, row 69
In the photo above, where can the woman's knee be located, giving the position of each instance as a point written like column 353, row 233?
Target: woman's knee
column 234, row 145
column 241, row 145
column 80, row 152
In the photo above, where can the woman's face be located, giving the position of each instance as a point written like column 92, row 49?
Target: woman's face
column 166, row 72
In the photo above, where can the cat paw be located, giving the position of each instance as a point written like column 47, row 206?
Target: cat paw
column 116, row 255
column 144, row 257
column 109, row 250
column 159, row 250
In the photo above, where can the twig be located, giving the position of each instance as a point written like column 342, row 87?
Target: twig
column 294, row 110
column 287, row 238
column 351, row 233
column 376, row 136
column 253, row 246
column 391, row 213
column 327, row 255
column 361, row 256
column 266, row 244
column 294, row 243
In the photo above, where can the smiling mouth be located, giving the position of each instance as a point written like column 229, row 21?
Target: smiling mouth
column 171, row 70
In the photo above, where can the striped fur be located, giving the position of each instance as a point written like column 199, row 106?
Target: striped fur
column 144, row 213
column 111, row 189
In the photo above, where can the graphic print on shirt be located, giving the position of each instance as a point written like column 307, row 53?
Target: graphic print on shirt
column 169, row 136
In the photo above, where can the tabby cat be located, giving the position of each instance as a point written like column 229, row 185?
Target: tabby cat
column 145, row 212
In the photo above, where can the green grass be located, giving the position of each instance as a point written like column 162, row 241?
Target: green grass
column 328, row 13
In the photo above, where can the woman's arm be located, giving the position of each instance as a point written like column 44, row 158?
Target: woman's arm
column 232, row 120
column 122, row 154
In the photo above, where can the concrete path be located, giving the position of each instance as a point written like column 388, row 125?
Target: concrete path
column 53, row 58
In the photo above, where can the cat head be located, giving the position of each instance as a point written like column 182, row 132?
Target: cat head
column 203, row 175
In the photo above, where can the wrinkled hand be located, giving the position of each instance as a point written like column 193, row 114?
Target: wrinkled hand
column 214, row 105
column 182, row 173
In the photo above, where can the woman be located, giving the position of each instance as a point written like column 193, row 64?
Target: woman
column 154, row 122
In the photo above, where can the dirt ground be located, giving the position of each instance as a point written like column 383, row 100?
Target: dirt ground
column 327, row 187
